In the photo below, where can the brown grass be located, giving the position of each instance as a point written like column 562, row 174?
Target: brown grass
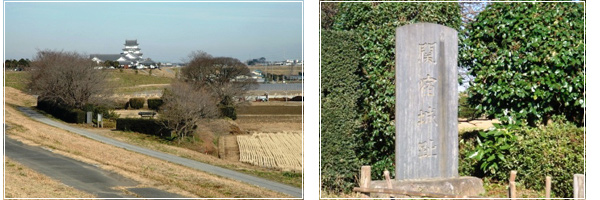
column 270, row 110
column 22, row 182
column 148, row 171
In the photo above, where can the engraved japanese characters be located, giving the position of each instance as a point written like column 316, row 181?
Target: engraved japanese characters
column 426, row 102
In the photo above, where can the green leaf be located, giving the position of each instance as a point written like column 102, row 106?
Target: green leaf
column 501, row 157
column 492, row 157
column 479, row 155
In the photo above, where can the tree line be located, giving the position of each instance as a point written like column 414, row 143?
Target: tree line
column 208, row 87
column 12, row 64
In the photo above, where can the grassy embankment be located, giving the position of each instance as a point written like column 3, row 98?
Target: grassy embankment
column 128, row 78
column 148, row 171
column 125, row 82
column 128, row 81
column 17, row 80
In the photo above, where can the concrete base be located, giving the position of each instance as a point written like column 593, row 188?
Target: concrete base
column 464, row 186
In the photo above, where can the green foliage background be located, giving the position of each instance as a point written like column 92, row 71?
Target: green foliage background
column 527, row 60
column 375, row 24
column 340, row 87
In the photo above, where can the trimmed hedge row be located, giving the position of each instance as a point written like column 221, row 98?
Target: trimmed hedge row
column 145, row 126
column 136, row 103
column 340, row 91
column 70, row 115
column 155, row 103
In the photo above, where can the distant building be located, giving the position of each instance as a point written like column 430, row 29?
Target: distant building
column 131, row 57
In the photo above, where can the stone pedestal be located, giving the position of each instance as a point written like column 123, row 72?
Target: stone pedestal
column 463, row 186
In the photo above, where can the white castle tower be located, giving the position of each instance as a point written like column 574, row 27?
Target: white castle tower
column 131, row 57
column 132, row 51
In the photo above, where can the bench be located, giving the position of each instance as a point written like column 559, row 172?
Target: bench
column 147, row 114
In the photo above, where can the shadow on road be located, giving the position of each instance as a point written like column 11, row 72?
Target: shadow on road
column 79, row 175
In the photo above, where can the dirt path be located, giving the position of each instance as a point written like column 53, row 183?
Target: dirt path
column 229, row 148
column 477, row 124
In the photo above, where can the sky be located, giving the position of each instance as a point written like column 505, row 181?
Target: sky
column 165, row 31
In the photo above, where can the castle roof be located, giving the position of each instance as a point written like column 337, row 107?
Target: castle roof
column 148, row 61
column 104, row 57
column 131, row 42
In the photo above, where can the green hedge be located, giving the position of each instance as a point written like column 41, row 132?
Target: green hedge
column 375, row 24
column 527, row 61
column 340, row 91
column 155, row 103
column 136, row 103
column 556, row 150
column 145, row 126
column 70, row 115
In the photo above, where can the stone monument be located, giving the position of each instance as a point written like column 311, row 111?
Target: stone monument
column 426, row 113
column 426, row 102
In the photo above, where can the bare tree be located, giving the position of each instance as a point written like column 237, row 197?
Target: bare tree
column 66, row 78
column 185, row 106
column 470, row 10
column 224, row 78
column 328, row 12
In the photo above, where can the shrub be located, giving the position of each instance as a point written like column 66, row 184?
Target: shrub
column 136, row 103
column 556, row 150
column 527, row 60
column 228, row 111
column 339, row 116
column 466, row 110
column 297, row 98
column 145, row 126
column 107, row 113
column 154, row 104
column 70, row 115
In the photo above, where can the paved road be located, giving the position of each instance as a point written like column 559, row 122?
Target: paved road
column 280, row 86
column 77, row 174
column 275, row 186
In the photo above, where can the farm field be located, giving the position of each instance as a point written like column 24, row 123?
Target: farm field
column 272, row 150
column 271, row 110
column 277, row 69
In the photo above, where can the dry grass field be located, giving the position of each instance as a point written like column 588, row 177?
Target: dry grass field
column 22, row 182
column 148, row 171
column 272, row 150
